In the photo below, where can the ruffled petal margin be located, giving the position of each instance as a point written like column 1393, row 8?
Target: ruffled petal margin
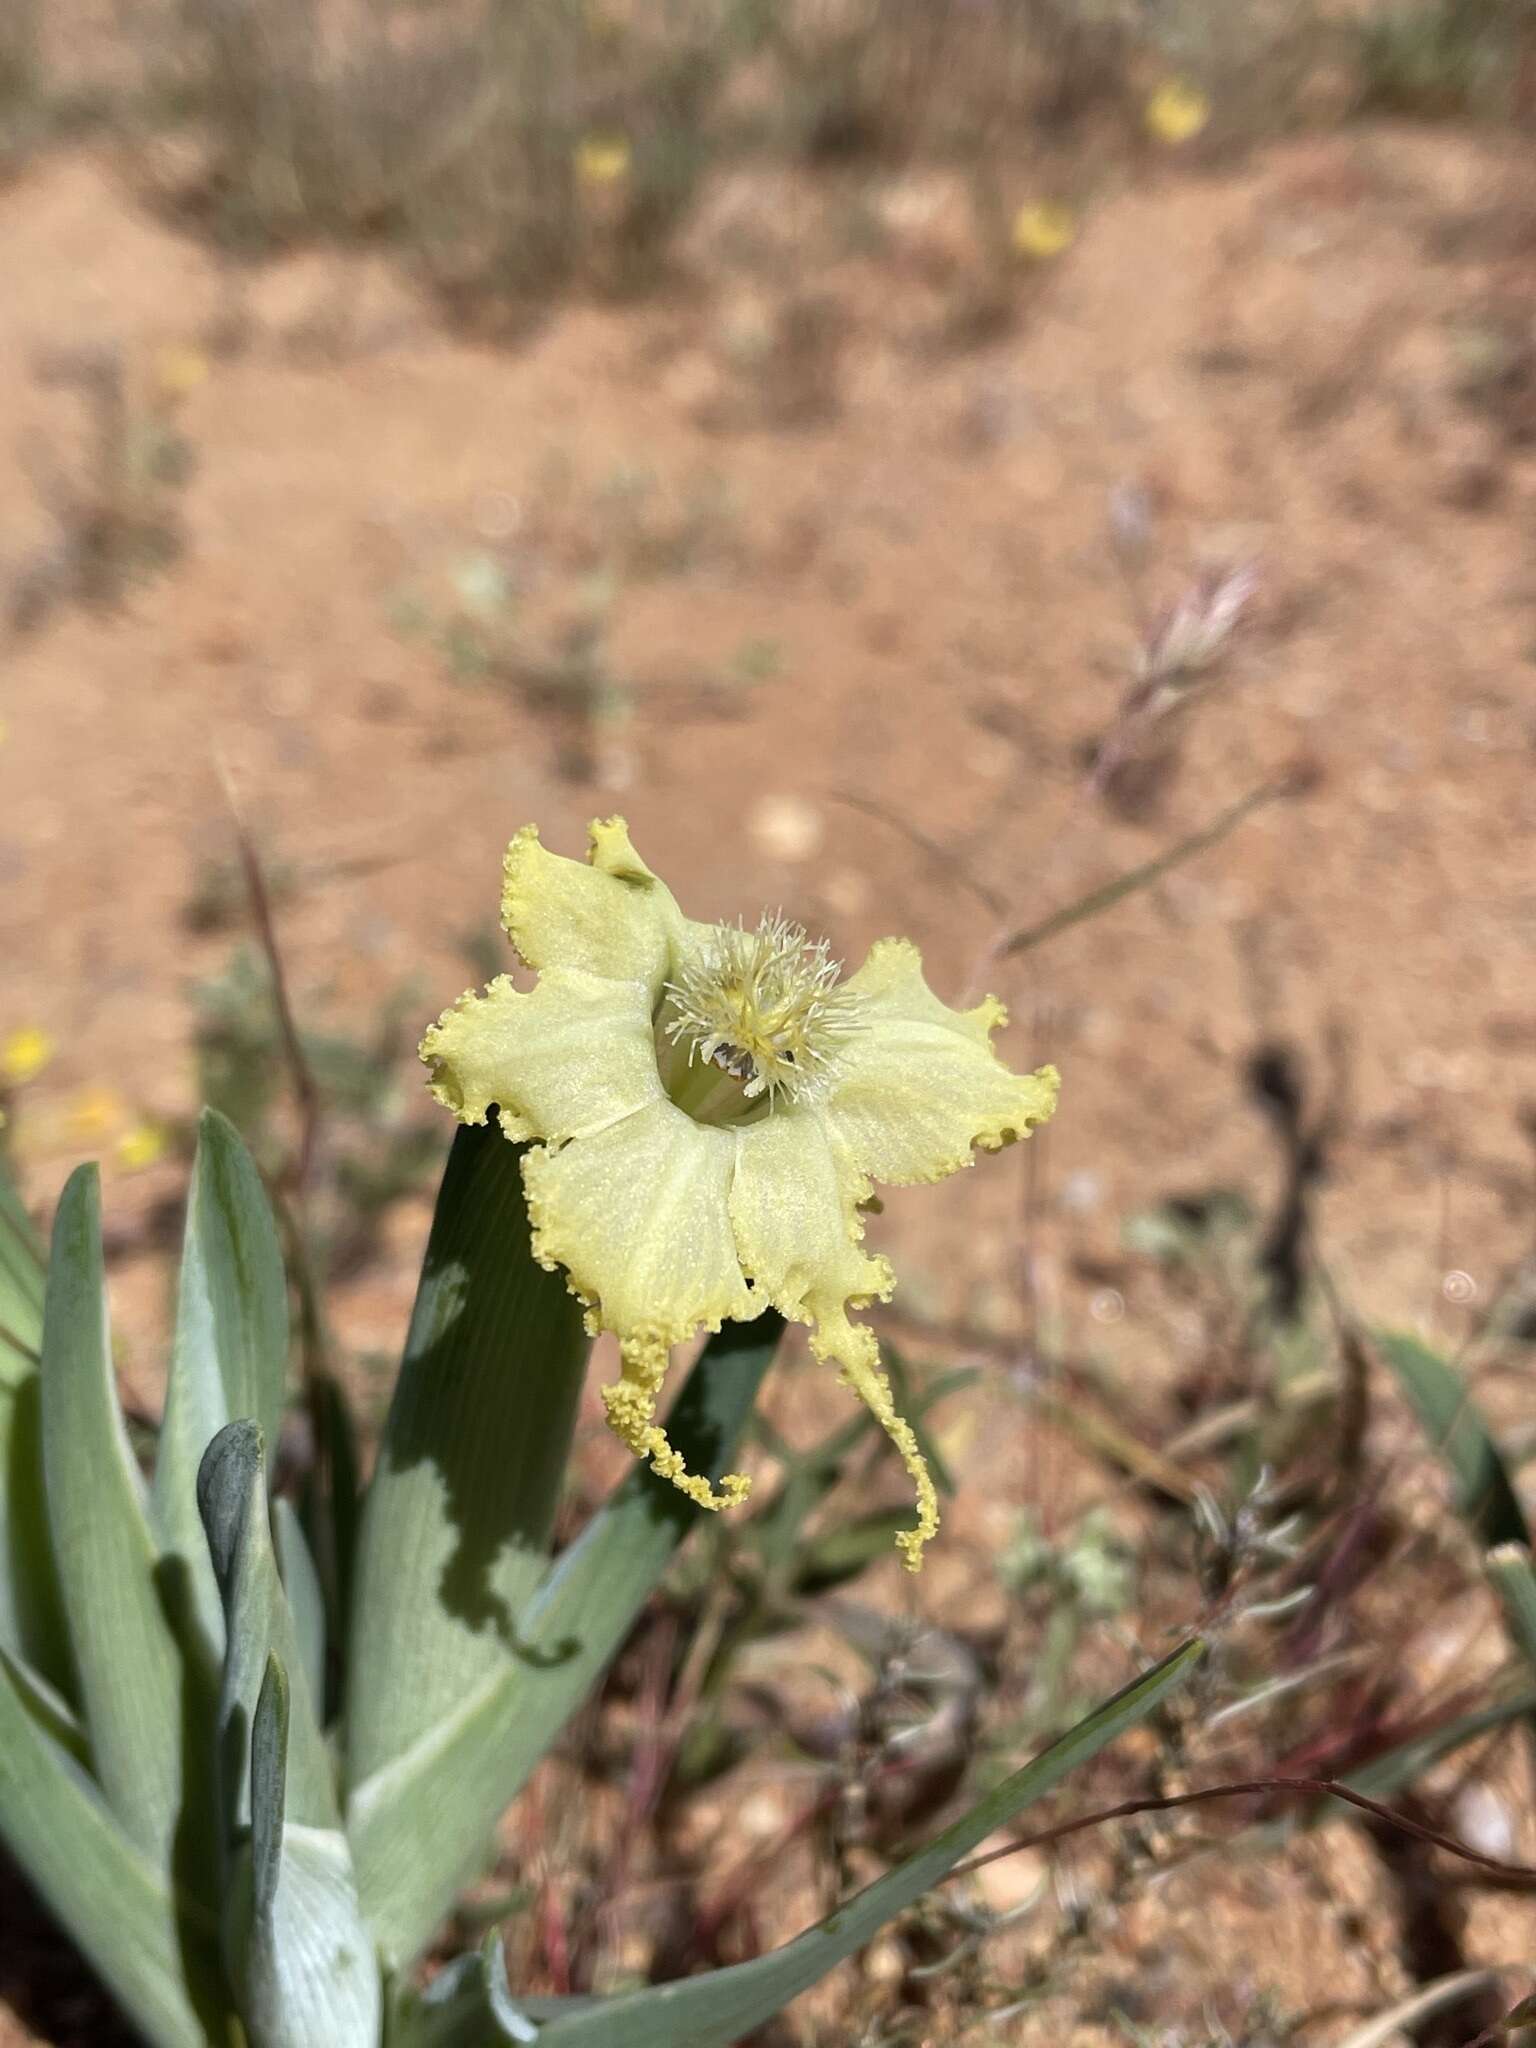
column 638, row 1216
column 665, row 1225
column 612, row 917
column 795, row 1217
column 920, row 1086
column 794, row 1212
column 564, row 1061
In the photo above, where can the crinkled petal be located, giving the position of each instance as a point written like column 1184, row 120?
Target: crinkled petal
column 612, row 918
column 794, row 1212
column 794, row 1209
column 919, row 1085
column 565, row 1061
column 638, row 1216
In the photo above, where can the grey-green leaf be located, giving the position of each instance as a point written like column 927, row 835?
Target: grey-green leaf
column 31, row 1608
column 230, row 1353
column 471, row 2005
column 21, row 1277
column 718, row 2009
column 1514, row 1580
column 419, row 1827
column 49, row 1710
column 299, row 1953
column 306, row 1599
column 232, row 1501
column 130, row 1667
column 1450, row 1418
column 31, row 1616
column 457, row 1523
column 1402, row 1765
column 117, row 1905
column 268, row 1782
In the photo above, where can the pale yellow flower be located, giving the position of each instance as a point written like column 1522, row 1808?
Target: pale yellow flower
column 24, row 1054
column 181, row 369
column 603, row 160
column 1044, row 230
column 141, row 1146
column 93, row 1113
column 706, row 1108
column 1177, row 112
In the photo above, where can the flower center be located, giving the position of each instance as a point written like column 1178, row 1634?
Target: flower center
column 752, row 1019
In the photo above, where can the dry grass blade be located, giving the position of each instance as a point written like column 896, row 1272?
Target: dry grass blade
column 948, row 862
column 305, row 1088
column 1283, row 790
column 1421, row 2005
column 1517, row 1876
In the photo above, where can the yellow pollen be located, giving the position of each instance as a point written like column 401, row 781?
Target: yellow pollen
column 765, row 1006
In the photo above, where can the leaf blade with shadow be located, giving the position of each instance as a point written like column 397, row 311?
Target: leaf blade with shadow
column 1484, row 1492
column 419, row 1827
column 130, row 1666
column 458, row 1518
column 230, row 1354
column 723, row 2006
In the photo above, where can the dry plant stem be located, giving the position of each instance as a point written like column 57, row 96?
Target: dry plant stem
column 738, row 1889
column 306, row 1092
column 651, row 1762
column 942, row 857
column 305, row 1089
column 1147, row 1466
column 1004, row 945
column 1516, row 1876
column 1520, row 2016
column 314, row 1339
column 698, row 1659
column 1031, row 1185
column 550, row 1931
column 1429, row 1999
column 554, row 1937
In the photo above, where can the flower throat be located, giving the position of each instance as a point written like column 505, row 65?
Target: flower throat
column 754, row 1019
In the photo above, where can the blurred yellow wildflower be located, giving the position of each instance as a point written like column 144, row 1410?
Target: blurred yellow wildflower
column 603, row 160
column 93, row 1113
column 708, row 1106
column 24, row 1054
column 1044, row 230
column 181, row 369
column 143, row 1145
column 1177, row 112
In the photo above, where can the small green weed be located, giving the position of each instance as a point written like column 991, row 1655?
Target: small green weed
column 113, row 508
column 1444, row 59
column 23, row 86
column 380, row 1141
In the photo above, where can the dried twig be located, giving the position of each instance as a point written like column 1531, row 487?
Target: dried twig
column 306, row 1090
column 1283, row 789
column 941, row 856
column 1421, row 2005
column 1519, row 1876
